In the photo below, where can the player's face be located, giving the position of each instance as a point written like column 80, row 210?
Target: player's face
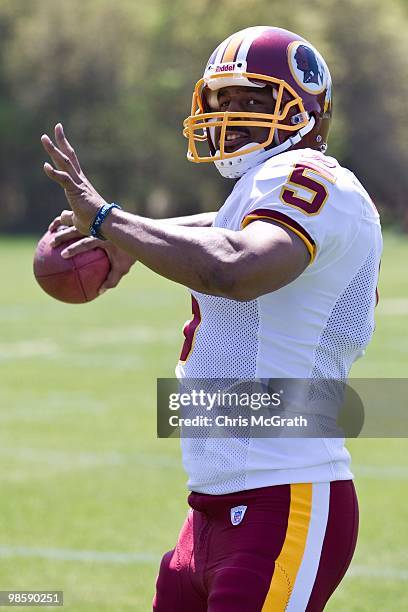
column 248, row 100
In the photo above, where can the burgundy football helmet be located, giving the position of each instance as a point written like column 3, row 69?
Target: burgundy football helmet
column 261, row 56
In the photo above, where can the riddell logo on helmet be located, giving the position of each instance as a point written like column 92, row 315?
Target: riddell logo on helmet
column 238, row 67
column 225, row 68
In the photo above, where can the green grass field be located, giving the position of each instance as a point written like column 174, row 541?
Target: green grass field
column 90, row 499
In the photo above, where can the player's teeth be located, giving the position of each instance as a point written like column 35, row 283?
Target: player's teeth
column 232, row 136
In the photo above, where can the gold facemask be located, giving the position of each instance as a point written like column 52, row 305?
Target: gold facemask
column 198, row 126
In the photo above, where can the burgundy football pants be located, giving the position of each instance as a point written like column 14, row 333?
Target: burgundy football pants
column 271, row 549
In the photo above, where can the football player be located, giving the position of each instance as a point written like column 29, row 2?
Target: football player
column 283, row 281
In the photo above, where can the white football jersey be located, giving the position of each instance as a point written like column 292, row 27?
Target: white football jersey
column 314, row 327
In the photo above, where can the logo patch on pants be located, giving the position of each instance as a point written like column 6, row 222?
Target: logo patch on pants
column 237, row 514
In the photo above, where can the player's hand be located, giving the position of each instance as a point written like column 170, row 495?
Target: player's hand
column 61, row 231
column 120, row 261
column 82, row 197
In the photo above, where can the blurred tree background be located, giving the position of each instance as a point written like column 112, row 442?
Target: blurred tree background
column 120, row 75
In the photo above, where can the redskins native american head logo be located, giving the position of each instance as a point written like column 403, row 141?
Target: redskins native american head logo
column 307, row 66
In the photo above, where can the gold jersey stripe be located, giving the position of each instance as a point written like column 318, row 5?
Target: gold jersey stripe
column 290, row 557
column 310, row 247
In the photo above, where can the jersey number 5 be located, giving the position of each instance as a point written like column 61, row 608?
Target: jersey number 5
column 300, row 178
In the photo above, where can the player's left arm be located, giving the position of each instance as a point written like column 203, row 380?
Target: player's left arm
column 238, row 265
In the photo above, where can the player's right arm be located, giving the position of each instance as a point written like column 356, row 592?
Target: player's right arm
column 120, row 260
column 199, row 220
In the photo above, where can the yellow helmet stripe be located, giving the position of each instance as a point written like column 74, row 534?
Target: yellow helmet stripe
column 232, row 48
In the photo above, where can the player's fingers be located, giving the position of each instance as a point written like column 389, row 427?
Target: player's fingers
column 67, row 218
column 55, row 224
column 61, row 161
column 65, row 147
column 81, row 246
column 62, row 178
column 64, row 234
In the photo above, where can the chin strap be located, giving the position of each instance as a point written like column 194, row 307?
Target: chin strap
column 235, row 167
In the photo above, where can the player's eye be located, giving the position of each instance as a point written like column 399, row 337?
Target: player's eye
column 253, row 102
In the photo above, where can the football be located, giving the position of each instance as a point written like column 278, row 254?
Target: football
column 75, row 280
